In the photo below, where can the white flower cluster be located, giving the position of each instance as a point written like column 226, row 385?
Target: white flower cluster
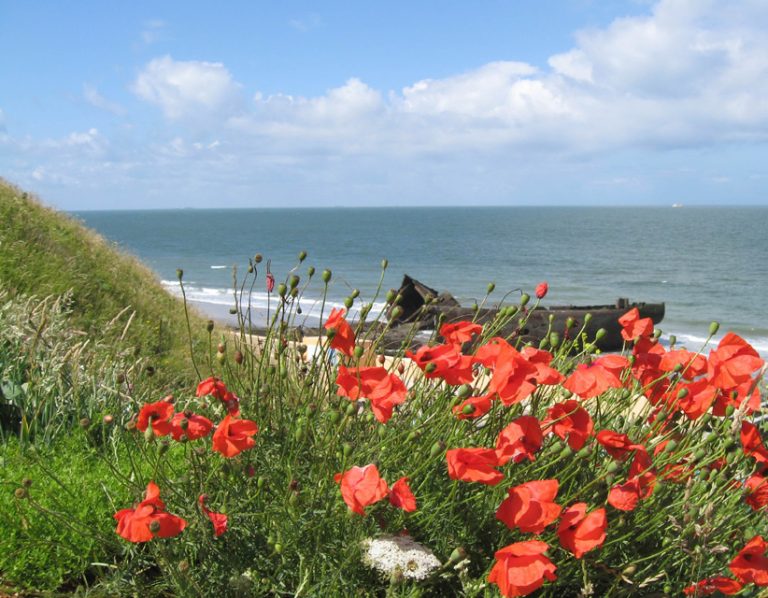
column 399, row 556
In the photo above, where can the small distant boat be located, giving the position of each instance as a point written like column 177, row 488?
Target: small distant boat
column 677, row 205
column 532, row 327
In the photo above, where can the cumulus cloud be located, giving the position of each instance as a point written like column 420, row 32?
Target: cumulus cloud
column 188, row 88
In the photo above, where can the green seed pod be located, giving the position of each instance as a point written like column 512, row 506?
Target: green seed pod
column 179, row 273
column 713, row 328
column 397, row 312
column 294, row 294
column 570, row 323
column 437, row 448
column 554, row 339
column 149, row 434
column 351, row 409
column 657, row 333
column 302, row 256
column 491, row 288
column 358, row 352
column 233, row 310
column 382, row 431
column 355, row 293
column 584, row 453
column 566, row 452
column 369, row 418
column 310, row 271
column 430, row 367
column 278, row 548
column 670, row 446
column 365, row 310
column 600, row 334
column 326, row 276
column 613, row 467
column 346, row 449
column 682, row 393
column 210, row 326
column 299, row 433
column 468, row 409
column 384, row 264
column 524, row 299
column 334, row 416
column 390, row 296
column 413, row 435
column 293, row 499
column 398, row 299
column 257, row 258
column 587, row 318
column 260, row 481
column 729, row 410
column 348, row 302
column 544, row 343
column 672, row 340
column 293, row 281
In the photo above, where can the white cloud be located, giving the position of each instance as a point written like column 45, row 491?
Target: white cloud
column 188, row 88
column 94, row 98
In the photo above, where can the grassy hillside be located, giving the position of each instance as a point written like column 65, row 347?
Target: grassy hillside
column 44, row 252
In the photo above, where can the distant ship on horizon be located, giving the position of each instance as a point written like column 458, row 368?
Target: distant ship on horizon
column 677, row 205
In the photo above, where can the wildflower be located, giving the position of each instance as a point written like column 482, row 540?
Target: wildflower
column 580, row 532
column 473, row 407
column 399, row 555
column 519, row 440
column 361, row 487
column 530, row 506
column 219, row 520
column 383, row 389
column 746, row 392
column 569, row 420
column 617, row 445
column 212, row 386
column 473, row 465
column 191, row 425
column 633, row 326
column 751, row 564
column 593, row 379
column 521, row 568
column 710, row 585
column 343, row 337
column 458, row 333
column 449, row 364
column 625, row 497
column 157, row 415
column 541, row 290
column 540, row 360
column 400, row 496
column 513, row 377
column 733, row 362
column 752, row 443
column 233, row 436
column 697, row 399
column 148, row 519
column 757, row 491
column 692, row 365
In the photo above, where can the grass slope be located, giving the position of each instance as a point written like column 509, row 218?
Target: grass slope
column 44, row 252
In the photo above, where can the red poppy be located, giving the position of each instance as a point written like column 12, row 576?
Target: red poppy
column 751, row 564
column 706, row 587
column 458, row 333
column 361, row 487
column 448, row 363
column 473, row 465
column 219, row 520
column 400, row 496
column 617, row 445
column 530, row 506
column 752, row 442
column 633, row 326
column 699, row 396
column 521, row 568
column 233, row 436
column 480, row 406
column 270, row 282
column 746, row 392
column 570, row 421
column 491, row 352
column 343, row 335
column 383, row 389
column 593, row 379
column 521, row 439
column 212, row 386
column 541, row 290
column 733, row 362
column 757, row 491
column 158, row 415
column 541, row 360
column 678, row 472
column 148, row 519
column 691, row 364
column 190, row 425
column 625, row 496
column 580, row 532
column 511, row 380
column 642, row 470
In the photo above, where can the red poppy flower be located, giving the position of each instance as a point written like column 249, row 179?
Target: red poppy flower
column 158, row 415
column 382, row 389
column 480, row 406
column 219, row 520
column 343, row 337
column 541, row 290
column 400, row 496
column 706, row 587
column 521, row 568
column 757, row 491
column 733, row 362
column 625, row 496
column 449, row 363
column 494, row 350
column 699, row 398
column 633, row 326
column 692, row 365
column 751, row 564
column 212, row 386
column 530, row 506
column 458, row 333
column 270, row 282
column 233, row 436
column 541, row 360
column 568, row 420
column 746, row 392
column 191, row 425
column 580, row 532
column 752, row 443
column 519, row 440
column 149, row 519
column 617, row 445
column 361, row 487
column 593, row 379
column 473, row 465
column 642, row 470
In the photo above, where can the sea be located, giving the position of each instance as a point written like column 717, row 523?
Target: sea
column 705, row 263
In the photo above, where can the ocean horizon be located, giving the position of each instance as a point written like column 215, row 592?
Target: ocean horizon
column 705, row 263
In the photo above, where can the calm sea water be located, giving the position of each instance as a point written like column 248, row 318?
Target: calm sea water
column 704, row 263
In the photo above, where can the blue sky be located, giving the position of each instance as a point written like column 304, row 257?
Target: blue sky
column 179, row 104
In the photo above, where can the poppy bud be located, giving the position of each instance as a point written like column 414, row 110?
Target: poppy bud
column 334, row 417
column 348, row 302
column 682, row 393
column 566, row 452
column 233, row 310
column 282, row 289
column 209, row 326
column 600, row 334
column 629, row 570
column 179, row 273
column 390, row 297
column 326, row 276
column 250, row 269
column 257, row 258
column 346, row 449
column 613, row 467
column 221, row 357
column 465, row 390
column 397, row 312
column 120, row 378
column 278, row 548
column 458, row 554
column 381, row 359
column 351, row 409
column 294, row 281
column 154, row 527
column 554, row 339
column 657, row 333
column 384, row 263
column 400, row 368
column 541, row 290
column 430, row 367
column 413, row 435
column 238, row 357
column 358, row 352
column 584, row 453
column 302, row 256
column 149, row 434
column 355, row 293
column 311, row 271
column 437, row 448
column 670, row 446
column 570, row 323
column 221, row 347
column 524, row 299
column 491, row 288
column 729, row 410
